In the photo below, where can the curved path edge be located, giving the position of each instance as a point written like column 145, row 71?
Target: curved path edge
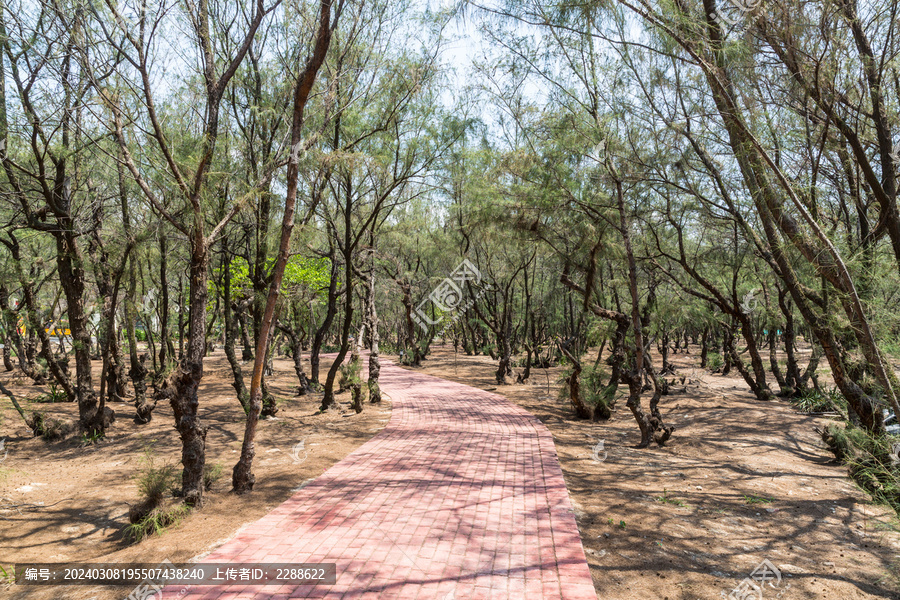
column 460, row 496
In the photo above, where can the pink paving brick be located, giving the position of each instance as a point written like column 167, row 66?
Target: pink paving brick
column 461, row 496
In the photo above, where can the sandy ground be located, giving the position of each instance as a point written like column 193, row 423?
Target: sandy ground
column 740, row 482
column 61, row 502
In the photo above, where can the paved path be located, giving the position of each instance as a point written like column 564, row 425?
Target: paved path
column 460, row 497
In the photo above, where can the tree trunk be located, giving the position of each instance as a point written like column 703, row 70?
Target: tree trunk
column 28, row 367
column 330, row 311
column 414, row 356
column 792, row 376
column 230, row 325
column 775, row 367
column 666, row 366
column 93, row 416
column 181, row 386
column 704, row 347
column 661, row 431
column 166, row 348
column 138, row 370
column 503, row 367
column 635, row 370
column 374, row 363
column 757, row 381
column 328, row 399
column 181, row 311
column 581, row 410
column 295, row 342
column 247, row 345
column 242, row 477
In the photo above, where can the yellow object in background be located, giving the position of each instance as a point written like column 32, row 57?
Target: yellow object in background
column 58, row 332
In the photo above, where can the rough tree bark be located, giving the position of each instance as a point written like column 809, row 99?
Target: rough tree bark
column 242, row 477
column 374, row 362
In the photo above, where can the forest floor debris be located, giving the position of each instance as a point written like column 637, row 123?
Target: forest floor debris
column 99, row 485
column 740, row 482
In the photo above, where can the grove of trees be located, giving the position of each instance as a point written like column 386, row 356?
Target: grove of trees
column 301, row 178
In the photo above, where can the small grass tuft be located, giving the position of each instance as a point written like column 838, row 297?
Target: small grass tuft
column 89, row 439
column 814, row 401
column 56, row 394
column 211, row 474
column 156, row 484
column 155, row 522
column 7, row 575
column 757, row 500
column 666, row 499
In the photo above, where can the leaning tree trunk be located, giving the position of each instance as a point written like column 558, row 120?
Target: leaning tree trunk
column 633, row 376
column 661, row 431
column 793, row 378
column 230, row 325
column 760, row 393
column 242, row 477
column 786, row 390
column 757, row 381
column 328, row 399
column 771, row 191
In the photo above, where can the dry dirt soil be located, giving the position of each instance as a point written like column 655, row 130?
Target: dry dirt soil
column 68, row 502
column 741, row 481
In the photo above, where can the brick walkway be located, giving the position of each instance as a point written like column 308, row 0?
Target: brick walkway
column 460, row 497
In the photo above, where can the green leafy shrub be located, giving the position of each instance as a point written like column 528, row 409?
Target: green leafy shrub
column 155, row 483
column 714, row 362
column 151, row 515
column 350, row 374
column 594, row 390
column 870, row 460
column 814, row 401
column 48, row 428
